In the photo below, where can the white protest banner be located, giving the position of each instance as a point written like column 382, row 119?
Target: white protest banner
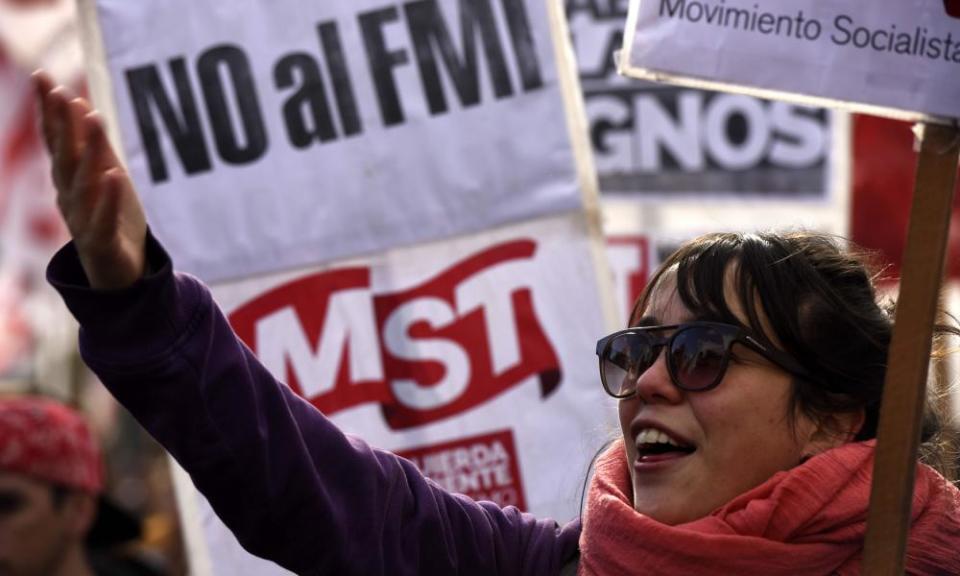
column 899, row 57
column 401, row 198
column 472, row 357
column 675, row 161
column 667, row 143
column 266, row 135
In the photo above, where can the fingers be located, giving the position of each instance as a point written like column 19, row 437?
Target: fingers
column 62, row 117
column 96, row 173
column 97, row 156
column 42, row 82
column 108, row 156
column 82, row 190
column 43, row 85
column 70, row 137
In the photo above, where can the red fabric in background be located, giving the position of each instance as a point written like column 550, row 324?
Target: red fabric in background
column 884, row 170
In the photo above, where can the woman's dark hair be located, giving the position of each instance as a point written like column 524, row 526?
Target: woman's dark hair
column 820, row 302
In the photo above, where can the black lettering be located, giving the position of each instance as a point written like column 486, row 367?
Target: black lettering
column 602, row 127
column 308, row 105
column 879, row 40
column 678, row 7
column 234, row 62
column 799, row 21
column 521, row 36
column 861, row 37
column 427, row 29
column 342, row 86
column 933, row 48
column 812, row 30
column 382, row 62
column 185, row 130
column 766, row 23
column 788, row 22
column 840, row 23
column 738, row 14
column 713, row 15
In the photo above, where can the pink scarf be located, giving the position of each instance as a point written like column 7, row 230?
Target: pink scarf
column 808, row 520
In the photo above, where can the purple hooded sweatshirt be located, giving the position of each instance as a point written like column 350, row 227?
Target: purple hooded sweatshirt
column 290, row 486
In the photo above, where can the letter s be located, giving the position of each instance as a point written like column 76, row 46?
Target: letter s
column 396, row 338
column 801, row 138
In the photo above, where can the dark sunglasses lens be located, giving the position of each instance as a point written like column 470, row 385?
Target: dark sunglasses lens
column 625, row 358
column 697, row 357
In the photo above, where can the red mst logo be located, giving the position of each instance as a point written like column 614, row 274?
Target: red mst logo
column 426, row 353
column 953, row 7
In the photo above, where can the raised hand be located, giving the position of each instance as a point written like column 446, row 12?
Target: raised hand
column 94, row 192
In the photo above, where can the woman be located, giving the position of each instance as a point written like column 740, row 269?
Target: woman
column 767, row 470
column 747, row 386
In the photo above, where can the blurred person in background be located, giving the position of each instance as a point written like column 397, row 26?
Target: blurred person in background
column 37, row 336
column 54, row 519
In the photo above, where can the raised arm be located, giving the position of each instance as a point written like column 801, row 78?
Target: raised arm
column 284, row 479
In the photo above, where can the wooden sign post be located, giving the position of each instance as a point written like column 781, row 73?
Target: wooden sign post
column 904, row 397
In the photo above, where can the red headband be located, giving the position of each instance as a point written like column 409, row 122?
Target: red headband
column 48, row 441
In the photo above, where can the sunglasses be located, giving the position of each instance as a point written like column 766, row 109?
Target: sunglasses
column 698, row 354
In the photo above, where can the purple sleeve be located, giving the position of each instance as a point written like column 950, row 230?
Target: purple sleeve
column 281, row 476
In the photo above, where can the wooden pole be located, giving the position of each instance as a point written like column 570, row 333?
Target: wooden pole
column 898, row 438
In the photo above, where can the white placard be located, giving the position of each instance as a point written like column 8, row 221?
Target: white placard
column 512, row 316
column 267, row 135
column 890, row 57
column 666, row 143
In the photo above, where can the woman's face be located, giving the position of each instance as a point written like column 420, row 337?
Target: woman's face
column 739, row 431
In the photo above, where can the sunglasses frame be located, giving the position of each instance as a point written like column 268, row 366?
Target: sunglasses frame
column 731, row 334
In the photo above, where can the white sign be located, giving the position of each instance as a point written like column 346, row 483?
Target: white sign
column 268, row 135
column 892, row 57
column 474, row 358
column 666, row 143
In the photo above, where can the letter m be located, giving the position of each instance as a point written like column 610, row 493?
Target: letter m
column 672, row 10
column 428, row 30
column 348, row 329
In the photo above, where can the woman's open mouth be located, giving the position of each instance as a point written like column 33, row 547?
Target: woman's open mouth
column 656, row 446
